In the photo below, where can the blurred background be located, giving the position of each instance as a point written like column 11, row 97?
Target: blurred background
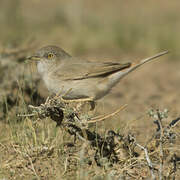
column 111, row 30
column 82, row 27
column 102, row 30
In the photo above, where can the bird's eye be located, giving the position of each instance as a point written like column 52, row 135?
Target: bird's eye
column 50, row 55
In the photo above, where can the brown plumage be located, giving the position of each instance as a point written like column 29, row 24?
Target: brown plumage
column 76, row 78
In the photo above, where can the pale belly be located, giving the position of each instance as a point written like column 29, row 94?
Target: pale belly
column 77, row 89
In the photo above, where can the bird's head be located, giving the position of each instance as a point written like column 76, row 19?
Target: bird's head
column 49, row 54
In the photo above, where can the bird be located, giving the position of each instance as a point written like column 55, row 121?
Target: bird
column 75, row 78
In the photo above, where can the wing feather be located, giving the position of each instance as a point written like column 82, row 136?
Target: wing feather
column 73, row 70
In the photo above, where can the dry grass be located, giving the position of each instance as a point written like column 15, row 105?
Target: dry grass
column 37, row 148
column 32, row 147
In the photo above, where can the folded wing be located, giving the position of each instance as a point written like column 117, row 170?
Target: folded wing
column 73, row 70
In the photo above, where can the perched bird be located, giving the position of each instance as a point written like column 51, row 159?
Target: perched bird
column 79, row 79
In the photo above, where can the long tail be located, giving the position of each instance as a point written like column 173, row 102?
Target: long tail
column 136, row 65
column 116, row 77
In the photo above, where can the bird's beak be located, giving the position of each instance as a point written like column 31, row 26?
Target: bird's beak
column 33, row 58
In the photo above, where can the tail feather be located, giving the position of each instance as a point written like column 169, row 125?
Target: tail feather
column 116, row 77
column 136, row 65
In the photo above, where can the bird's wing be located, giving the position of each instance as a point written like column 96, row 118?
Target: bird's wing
column 76, row 70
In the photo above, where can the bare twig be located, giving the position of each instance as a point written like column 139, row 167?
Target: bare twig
column 148, row 160
column 160, row 144
column 103, row 117
column 26, row 115
column 174, row 122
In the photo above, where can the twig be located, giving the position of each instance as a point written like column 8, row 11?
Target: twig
column 65, row 166
column 103, row 117
column 148, row 160
column 160, row 144
column 174, row 122
column 26, row 115
column 33, row 107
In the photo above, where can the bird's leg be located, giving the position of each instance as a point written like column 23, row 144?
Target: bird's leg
column 93, row 105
